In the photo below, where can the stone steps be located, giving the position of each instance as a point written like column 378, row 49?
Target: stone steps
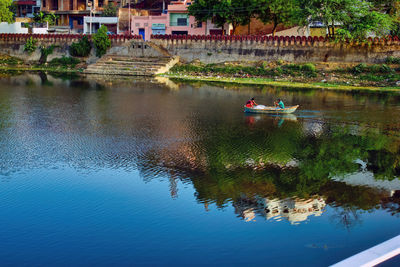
column 130, row 66
column 133, row 59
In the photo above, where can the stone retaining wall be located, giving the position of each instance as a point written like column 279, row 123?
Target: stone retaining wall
column 217, row 49
column 13, row 44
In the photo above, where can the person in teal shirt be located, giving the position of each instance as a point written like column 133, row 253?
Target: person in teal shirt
column 279, row 103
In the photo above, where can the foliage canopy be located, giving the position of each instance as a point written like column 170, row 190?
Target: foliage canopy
column 6, row 15
column 81, row 48
column 110, row 10
column 101, row 41
column 355, row 19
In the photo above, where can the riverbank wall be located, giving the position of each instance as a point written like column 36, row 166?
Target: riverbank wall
column 218, row 49
column 13, row 44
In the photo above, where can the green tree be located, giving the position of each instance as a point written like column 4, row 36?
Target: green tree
column 51, row 18
column 43, row 18
column 39, row 17
column 286, row 12
column 392, row 8
column 356, row 18
column 6, row 15
column 110, row 10
column 101, row 41
column 234, row 12
column 13, row 8
column 202, row 10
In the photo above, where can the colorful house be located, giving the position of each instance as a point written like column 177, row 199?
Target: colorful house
column 175, row 21
column 71, row 13
column 26, row 8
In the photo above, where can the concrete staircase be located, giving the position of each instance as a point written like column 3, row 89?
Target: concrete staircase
column 113, row 64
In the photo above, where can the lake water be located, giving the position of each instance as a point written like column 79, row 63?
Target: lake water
column 132, row 171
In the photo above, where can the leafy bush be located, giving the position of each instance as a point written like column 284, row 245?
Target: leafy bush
column 360, row 68
column 309, row 67
column 279, row 70
column 385, row 69
column 81, row 48
column 101, row 41
column 30, row 45
column 64, row 61
column 392, row 60
column 373, row 78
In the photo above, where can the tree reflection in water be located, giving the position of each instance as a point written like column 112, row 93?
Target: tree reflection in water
column 286, row 172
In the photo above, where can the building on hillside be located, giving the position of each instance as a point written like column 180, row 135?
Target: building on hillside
column 110, row 22
column 71, row 13
column 176, row 20
column 26, row 8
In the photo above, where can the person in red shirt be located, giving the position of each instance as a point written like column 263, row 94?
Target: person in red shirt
column 251, row 103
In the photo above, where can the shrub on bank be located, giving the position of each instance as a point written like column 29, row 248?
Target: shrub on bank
column 30, row 45
column 101, row 41
column 64, row 62
column 363, row 68
column 392, row 60
column 81, row 48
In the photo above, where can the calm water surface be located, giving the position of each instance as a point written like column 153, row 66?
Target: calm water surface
column 159, row 172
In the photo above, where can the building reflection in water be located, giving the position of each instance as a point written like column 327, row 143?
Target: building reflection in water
column 295, row 210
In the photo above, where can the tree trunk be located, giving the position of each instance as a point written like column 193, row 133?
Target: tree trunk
column 275, row 26
column 234, row 26
column 329, row 31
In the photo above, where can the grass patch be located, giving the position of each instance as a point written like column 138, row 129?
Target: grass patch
column 262, row 70
column 285, row 84
column 65, row 62
column 10, row 61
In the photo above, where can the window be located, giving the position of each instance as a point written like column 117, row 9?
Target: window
column 199, row 24
column 181, row 21
column 44, row 3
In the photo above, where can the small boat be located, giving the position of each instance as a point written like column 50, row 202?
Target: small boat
column 273, row 110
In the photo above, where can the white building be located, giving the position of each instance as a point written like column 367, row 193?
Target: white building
column 15, row 27
column 110, row 22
